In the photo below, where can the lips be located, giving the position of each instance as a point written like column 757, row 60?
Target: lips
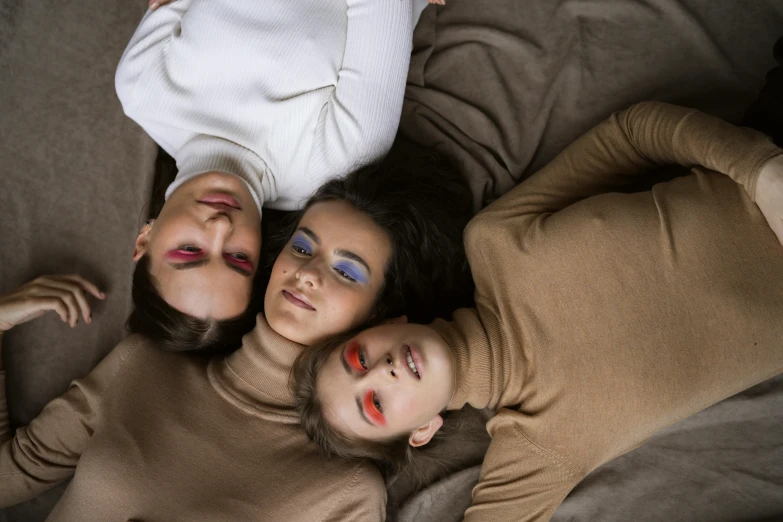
column 298, row 299
column 415, row 358
column 221, row 201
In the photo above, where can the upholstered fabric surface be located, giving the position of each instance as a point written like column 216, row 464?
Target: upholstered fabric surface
column 75, row 180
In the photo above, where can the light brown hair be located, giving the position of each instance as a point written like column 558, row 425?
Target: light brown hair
column 393, row 455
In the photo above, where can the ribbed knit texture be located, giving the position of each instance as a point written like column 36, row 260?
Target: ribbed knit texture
column 307, row 91
column 603, row 318
column 152, row 435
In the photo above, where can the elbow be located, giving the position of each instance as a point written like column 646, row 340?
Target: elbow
column 123, row 85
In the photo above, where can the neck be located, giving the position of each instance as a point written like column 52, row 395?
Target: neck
column 259, row 372
column 478, row 372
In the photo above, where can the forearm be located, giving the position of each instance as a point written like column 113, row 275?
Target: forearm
column 519, row 480
column 667, row 134
column 630, row 145
column 360, row 119
column 145, row 48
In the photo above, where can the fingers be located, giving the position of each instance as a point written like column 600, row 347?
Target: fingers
column 56, row 305
column 86, row 285
column 42, row 297
column 154, row 4
column 70, row 291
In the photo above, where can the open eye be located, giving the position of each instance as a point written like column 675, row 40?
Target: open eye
column 373, row 408
column 344, row 275
column 355, row 357
column 301, row 247
column 240, row 256
column 188, row 249
column 376, row 402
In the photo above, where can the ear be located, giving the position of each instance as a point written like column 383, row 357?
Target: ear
column 140, row 248
column 423, row 435
column 403, row 319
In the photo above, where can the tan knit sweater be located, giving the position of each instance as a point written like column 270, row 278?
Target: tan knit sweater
column 150, row 435
column 603, row 317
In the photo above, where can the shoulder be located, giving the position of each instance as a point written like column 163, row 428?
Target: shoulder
column 362, row 496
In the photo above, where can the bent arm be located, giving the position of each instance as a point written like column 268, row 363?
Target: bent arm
column 46, row 452
column 358, row 123
column 633, row 142
column 152, row 35
column 519, row 480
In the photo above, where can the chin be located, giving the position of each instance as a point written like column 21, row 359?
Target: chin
column 286, row 325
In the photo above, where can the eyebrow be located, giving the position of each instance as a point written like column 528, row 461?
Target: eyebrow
column 342, row 253
column 350, row 255
column 309, row 233
column 189, row 264
column 202, row 262
column 358, row 400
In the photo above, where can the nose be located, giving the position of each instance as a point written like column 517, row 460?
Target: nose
column 219, row 219
column 386, row 369
column 310, row 276
column 219, row 226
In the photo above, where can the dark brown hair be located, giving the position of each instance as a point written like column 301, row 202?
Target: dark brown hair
column 176, row 331
column 423, row 203
column 393, row 455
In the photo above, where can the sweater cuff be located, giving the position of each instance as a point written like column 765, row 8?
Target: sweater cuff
column 205, row 154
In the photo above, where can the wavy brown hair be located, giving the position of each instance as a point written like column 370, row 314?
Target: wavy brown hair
column 393, row 455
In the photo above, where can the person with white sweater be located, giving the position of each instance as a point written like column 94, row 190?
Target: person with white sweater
column 259, row 103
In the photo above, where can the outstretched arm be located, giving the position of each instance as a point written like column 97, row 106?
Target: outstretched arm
column 46, row 452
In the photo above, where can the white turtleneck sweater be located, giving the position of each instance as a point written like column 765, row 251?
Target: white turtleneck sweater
column 285, row 95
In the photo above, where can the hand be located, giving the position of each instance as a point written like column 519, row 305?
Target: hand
column 154, row 4
column 439, row 2
column 769, row 194
column 63, row 294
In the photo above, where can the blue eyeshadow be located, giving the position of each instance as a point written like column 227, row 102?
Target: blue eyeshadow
column 301, row 242
column 352, row 271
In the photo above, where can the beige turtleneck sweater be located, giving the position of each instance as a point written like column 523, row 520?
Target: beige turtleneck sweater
column 602, row 317
column 150, row 435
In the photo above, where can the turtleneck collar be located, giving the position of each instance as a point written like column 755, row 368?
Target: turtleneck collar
column 256, row 376
column 481, row 361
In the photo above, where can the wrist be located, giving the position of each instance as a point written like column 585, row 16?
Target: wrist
column 770, row 173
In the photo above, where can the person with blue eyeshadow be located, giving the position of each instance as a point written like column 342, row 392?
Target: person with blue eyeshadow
column 151, row 434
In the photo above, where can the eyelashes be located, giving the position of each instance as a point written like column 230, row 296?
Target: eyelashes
column 350, row 272
column 344, row 269
column 355, row 357
column 372, row 407
column 301, row 246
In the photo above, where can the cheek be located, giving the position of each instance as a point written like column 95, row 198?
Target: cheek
column 348, row 307
column 285, row 265
column 409, row 409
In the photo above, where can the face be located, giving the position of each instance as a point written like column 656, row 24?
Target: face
column 327, row 278
column 387, row 381
column 204, row 247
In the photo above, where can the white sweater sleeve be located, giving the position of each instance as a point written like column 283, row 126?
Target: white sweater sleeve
column 359, row 122
column 152, row 35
